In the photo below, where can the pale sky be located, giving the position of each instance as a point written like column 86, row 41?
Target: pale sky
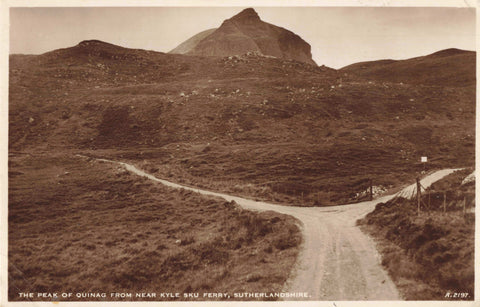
column 339, row 36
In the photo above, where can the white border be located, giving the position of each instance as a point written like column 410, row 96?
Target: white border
column 4, row 51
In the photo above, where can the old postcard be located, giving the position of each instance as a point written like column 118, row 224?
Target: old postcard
column 229, row 152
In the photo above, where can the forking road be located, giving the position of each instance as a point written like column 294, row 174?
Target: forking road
column 337, row 260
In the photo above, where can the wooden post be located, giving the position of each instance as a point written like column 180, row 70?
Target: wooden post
column 419, row 195
column 371, row 189
column 444, row 201
column 464, row 205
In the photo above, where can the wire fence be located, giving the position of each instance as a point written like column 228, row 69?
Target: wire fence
column 431, row 200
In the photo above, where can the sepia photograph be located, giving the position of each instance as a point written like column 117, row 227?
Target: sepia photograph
column 239, row 153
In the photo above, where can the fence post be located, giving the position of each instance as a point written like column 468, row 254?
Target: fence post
column 464, row 205
column 419, row 195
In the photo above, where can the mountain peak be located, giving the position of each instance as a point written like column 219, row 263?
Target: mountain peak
column 248, row 14
column 246, row 32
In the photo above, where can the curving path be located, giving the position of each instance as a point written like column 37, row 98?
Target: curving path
column 338, row 261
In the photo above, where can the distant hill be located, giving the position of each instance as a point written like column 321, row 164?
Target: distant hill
column 246, row 32
column 450, row 67
column 190, row 43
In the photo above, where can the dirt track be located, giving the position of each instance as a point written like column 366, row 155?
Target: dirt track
column 338, row 261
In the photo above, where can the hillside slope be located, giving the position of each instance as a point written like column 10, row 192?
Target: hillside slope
column 450, row 67
column 261, row 126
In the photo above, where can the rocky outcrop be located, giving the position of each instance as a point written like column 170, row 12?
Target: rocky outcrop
column 246, row 32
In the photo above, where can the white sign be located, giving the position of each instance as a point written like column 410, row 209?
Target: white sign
column 423, row 159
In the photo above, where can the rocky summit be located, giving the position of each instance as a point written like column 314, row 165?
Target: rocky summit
column 246, row 32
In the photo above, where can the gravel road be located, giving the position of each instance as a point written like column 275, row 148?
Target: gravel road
column 338, row 261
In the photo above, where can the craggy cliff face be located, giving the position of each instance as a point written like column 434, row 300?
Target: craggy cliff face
column 246, row 32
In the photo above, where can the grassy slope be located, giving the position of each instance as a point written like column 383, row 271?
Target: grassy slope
column 431, row 254
column 445, row 67
column 84, row 226
column 284, row 127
